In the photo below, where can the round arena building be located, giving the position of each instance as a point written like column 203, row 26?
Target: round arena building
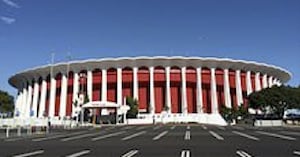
column 172, row 89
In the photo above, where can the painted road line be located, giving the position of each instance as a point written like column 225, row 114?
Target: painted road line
column 221, row 128
column 185, row 153
column 30, row 153
column 81, row 153
column 108, row 135
column 141, row 128
column 160, row 135
column 80, row 136
column 296, row 153
column 290, row 133
column 277, row 135
column 246, row 135
column 157, row 127
column 243, row 153
column 58, row 136
column 188, row 127
column 130, row 153
column 173, row 127
column 127, row 127
column 216, row 135
column 187, row 135
column 204, row 127
column 238, row 128
column 133, row 135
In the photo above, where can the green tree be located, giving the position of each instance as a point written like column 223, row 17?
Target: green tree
column 276, row 98
column 6, row 102
column 134, row 107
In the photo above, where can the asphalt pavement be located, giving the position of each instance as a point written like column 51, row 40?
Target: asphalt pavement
column 184, row 140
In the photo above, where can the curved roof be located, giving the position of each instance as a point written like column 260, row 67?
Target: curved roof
column 210, row 62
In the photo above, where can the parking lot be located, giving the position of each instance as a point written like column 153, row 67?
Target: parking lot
column 157, row 140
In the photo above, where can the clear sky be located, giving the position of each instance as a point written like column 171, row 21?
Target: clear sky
column 265, row 31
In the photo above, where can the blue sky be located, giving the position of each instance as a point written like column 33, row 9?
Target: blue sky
column 258, row 30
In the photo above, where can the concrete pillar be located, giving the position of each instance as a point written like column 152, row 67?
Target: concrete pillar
column 238, row 85
column 257, row 82
column 227, row 95
column 199, row 91
column 52, row 97
column 249, row 82
column 184, row 107
column 265, row 81
column 168, row 89
column 63, row 96
column 29, row 101
column 119, row 86
column 35, row 98
column 213, row 87
column 75, row 93
column 270, row 81
column 135, row 83
column 42, row 105
column 90, row 85
column 152, row 96
column 104, row 85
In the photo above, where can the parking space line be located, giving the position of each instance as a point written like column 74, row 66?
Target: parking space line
column 246, row 135
column 238, row 128
column 160, row 135
column 290, row 133
column 80, row 136
column 204, row 127
column 108, row 135
column 185, row 153
column 187, row 135
column 157, row 127
column 296, row 153
column 216, row 135
column 81, row 153
column 141, row 128
column 130, row 153
column 242, row 153
column 30, row 153
column 133, row 135
column 127, row 127
column 58, row 136
column 173, row 127
column 188, row 127
column 221, row 128
column 277, row 135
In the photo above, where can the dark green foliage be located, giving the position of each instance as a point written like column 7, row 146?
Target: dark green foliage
column 134, row 107
column 277, row 98
column 233, row 113
column 6, row 102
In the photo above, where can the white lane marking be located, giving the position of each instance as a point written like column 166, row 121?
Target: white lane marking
column 81, row 153
column 216, row 135
column 296, row 153
column 160, row 135
column 157, row 127
column 188, row 127
column 127, row 127
column 173, row 127
column 133, row 135
column 141, row 128
column 291, row 133
column 277, row 135
column 185, row 153
column 130, row 153
column 246, row 135
column 187, row 135
column 238, row 128
column 108, row 135
column 58, row 136
column 30, row 154
column 204, row 127
column 221, row 128
column 242, row 153
column 80, row 136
